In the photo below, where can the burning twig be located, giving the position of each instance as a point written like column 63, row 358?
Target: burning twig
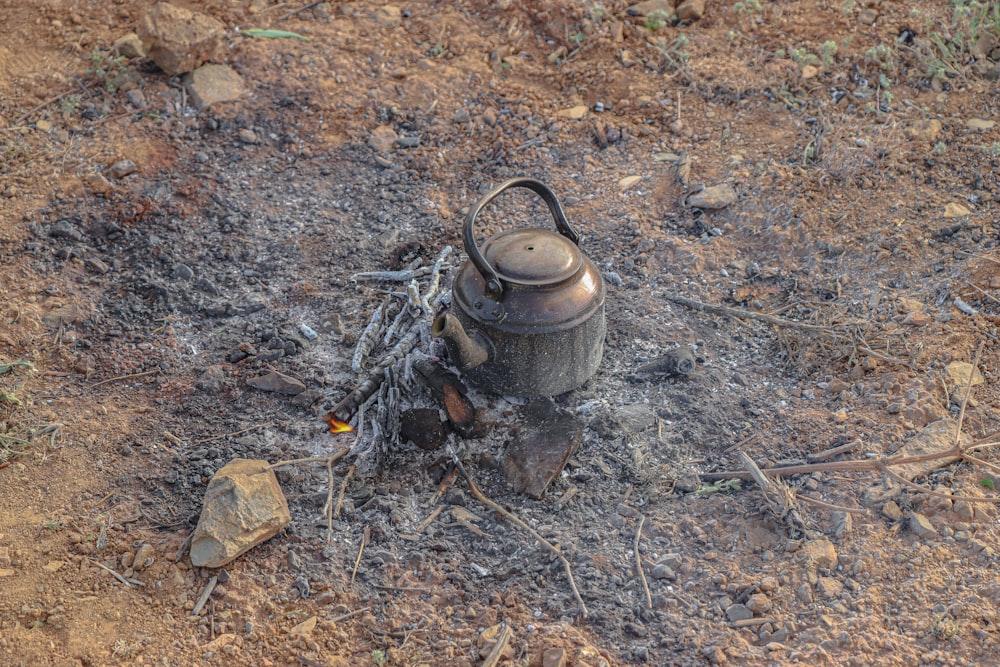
column 523, row 526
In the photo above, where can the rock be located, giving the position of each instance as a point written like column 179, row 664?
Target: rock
column 98, row 185
column 573, row 113
column 277, row 382
column 179, row 40
column 955, row 210
column 759, row 603
column 247, row 136
column 810, row 72
column 243, row 507
column 53, row 566
column 61, row 316
column 959, row 372
column 257, row 6
column 691, row 10
column 129, row 46
column 936, row 437
column 408, row 142
column 917, row 318
column 891, row 511
column 304, row 628
column 983, row 45
column 663, row 571
column 868, row 16
column 713, row 197
column 829, row 587
column 212, row 380
column 136, row 98
column 213, row 84
column 820, row 554
column 628, row 58
column 462, row 116
column 648, row 7
column 627, row 182
column 926, row 131
column 43, row 125
column 738, row 612
column 145, row 556
column 980, row 125
column 549, row 435
column 182, row 271
column 389, row 16
column 423, row 427
column 921, row 526
column 554, row 657
column 121, row 169
column 382, row 139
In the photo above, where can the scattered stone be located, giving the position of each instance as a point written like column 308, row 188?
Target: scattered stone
column 713, row 197
column 738, row 612
column 182, row 271
column 257, row 6
column 868, row 16
column 663, row 571
column 829, row 587
column 205, row 285
column 121, row 169
column 304, row 628
column 408, row 142
column 423, row 427
column 43, row 125
column 145, row 556
column 213, row 380
column 891, row 511
column 213, row 84
column 810, row 72
column 628, row 58
column 921, row 526
column 627, row 182
column 462, row 116
column 648, row 7
column 759, row 603
column 804, row 593
column 959, row 372
column 98, row 185
column 129, row 46
column 53, row 566
column 179, row 40
column 136, row 98
column 243, row 507
column 382, row 139
column 926, row 131
column 936, row 437
column 554, row 657
column 549, row 435
column 573, row 113
column 691, row 10
column 277, row 382
column 64, row 229
column 917, row 318
column 61, row 316
column 955, row 210
column 389, row 16
column 980, row 125
column 820, row 554
column 247, row 136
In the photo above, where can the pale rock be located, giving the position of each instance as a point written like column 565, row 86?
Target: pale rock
column 53, row 566
column 382, row 139
column 304, row 628
column 573, row 113
column 130, row 46
column 891, row 511
column 955, row 210
column 627, row 182
column 43, row 125
column 980, row 124
column 959, row 372
column 121, row 169
column 389, row 16
column 145, row 555
column 649, row 7
column 917, row 318
column 921, row 526
column 99, row 185
column 213, row 84
column 554, row 657
column 936, row 437
column 820, row 554
column 810, row 72
column 691, row 10
column 738, row 612
column 177, row 39
column 925, row 130
column 277, row 382
column 713, row 197
column 243, row 507
column 759, row 603
column 829, row 587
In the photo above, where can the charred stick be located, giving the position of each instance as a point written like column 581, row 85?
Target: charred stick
column 343, row 410
column 368, row 338
column 393, row 276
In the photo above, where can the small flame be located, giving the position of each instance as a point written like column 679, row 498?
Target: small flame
column 338, row 427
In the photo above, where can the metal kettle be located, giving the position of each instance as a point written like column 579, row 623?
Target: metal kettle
column 527, row 311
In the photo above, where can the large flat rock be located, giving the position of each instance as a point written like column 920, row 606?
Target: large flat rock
column 178, row 40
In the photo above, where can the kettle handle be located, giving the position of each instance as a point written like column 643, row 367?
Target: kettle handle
column 494, row 286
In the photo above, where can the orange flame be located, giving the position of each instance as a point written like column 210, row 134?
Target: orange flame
column 338, row 427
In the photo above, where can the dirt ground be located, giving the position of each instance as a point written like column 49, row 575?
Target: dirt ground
column 853, row 275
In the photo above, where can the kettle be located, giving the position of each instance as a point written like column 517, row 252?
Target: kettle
column 527, row 311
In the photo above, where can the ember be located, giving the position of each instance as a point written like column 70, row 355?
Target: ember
column 338, row 427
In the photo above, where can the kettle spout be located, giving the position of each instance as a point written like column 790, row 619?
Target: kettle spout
column 465, row 350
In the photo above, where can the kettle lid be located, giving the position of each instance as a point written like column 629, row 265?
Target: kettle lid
column 534, row 257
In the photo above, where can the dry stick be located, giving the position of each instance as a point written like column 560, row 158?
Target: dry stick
column 327, row 509
column 350, row 614
column 638, row 562
column 779, row 497
column 446, row 482
column 763, row 317
column 113, row 573
column 523, row 526
column 209, row 587
column 125, row 377
column 343, row 491
column 833, row 451
column 311, row 459
column 365, row 536
column 430, row 518
column 968, row 390
column 982, row 291
column 347, row 407
column 493, row 657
